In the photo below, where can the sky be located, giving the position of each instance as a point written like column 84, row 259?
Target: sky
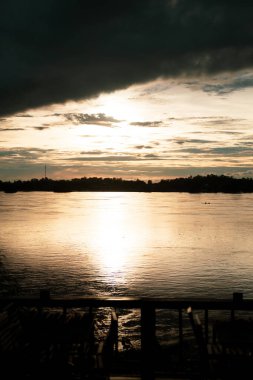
column 145, row 89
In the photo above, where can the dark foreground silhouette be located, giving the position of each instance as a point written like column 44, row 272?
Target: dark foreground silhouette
column 66, row 338
column 198, row 184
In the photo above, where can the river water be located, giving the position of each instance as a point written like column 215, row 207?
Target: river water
column 123, row 244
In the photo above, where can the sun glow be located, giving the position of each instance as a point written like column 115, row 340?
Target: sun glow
column 121, row 106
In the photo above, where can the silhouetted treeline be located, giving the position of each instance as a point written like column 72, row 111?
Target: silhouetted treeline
column 198, row 184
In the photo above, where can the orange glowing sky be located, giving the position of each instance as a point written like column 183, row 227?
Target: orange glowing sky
column 155, row 130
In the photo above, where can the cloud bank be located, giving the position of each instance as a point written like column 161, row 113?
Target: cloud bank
column 53, row 51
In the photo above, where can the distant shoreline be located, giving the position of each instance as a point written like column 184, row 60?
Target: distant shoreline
column 198, row 184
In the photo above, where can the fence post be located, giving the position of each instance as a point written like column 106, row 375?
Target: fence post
column 237, row 300
column 148, row 340
column 206, row 326
column 44, row 296
column 114, row 325
column 180, row 333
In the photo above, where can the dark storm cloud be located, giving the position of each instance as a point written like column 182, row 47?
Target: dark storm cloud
column 85, row 118
column 239, row 83
column 58, row 50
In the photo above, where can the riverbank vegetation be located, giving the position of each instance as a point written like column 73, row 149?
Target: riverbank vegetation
column 198, row 184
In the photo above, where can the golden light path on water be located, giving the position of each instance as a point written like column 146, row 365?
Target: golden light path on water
column 115, row 237
column 128, row 244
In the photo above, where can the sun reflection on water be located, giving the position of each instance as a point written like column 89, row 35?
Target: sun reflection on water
column 115, row 238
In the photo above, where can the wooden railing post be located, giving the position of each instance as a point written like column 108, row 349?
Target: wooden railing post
column 180, row 333
column 206, row 326
column 114, row 325
column 148, row 341
column 44, row 296
column 237, row 301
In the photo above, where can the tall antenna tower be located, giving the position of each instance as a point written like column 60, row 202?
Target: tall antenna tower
column 45, row 171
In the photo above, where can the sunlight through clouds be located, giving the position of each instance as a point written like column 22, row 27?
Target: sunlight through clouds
column 147, row 131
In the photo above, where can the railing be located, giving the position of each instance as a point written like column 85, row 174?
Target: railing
column 147, row 308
